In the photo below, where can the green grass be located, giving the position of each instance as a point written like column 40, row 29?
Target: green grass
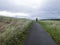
column 15, row 30
column 53, row 28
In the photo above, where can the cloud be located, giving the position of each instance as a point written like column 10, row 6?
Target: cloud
column 33, row 8
column 12, row 14
column 27, row 3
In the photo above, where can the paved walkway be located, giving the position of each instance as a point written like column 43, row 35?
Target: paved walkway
column 38, row 36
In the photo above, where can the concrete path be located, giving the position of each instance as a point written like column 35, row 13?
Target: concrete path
column 38, row 36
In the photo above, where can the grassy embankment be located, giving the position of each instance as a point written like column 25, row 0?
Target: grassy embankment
column 53, row 28
column 13, row 31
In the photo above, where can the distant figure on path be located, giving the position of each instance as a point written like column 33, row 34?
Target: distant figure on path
column 36, row 19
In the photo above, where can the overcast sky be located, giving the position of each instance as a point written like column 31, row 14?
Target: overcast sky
column 30, row 8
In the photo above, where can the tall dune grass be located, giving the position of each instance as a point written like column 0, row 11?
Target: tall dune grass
column 12, row 33
column 53, row 27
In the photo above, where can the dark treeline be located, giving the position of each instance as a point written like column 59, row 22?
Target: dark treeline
column 51, row 19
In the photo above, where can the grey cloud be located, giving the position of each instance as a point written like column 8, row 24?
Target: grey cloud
column 4, row 5
column 49, row 10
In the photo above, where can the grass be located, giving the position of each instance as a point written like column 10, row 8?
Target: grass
column 53, row 28
column 15, row 30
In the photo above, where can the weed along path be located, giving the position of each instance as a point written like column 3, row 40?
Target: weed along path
column 38, row 36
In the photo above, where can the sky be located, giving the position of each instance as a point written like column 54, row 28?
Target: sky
column 42, row 9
